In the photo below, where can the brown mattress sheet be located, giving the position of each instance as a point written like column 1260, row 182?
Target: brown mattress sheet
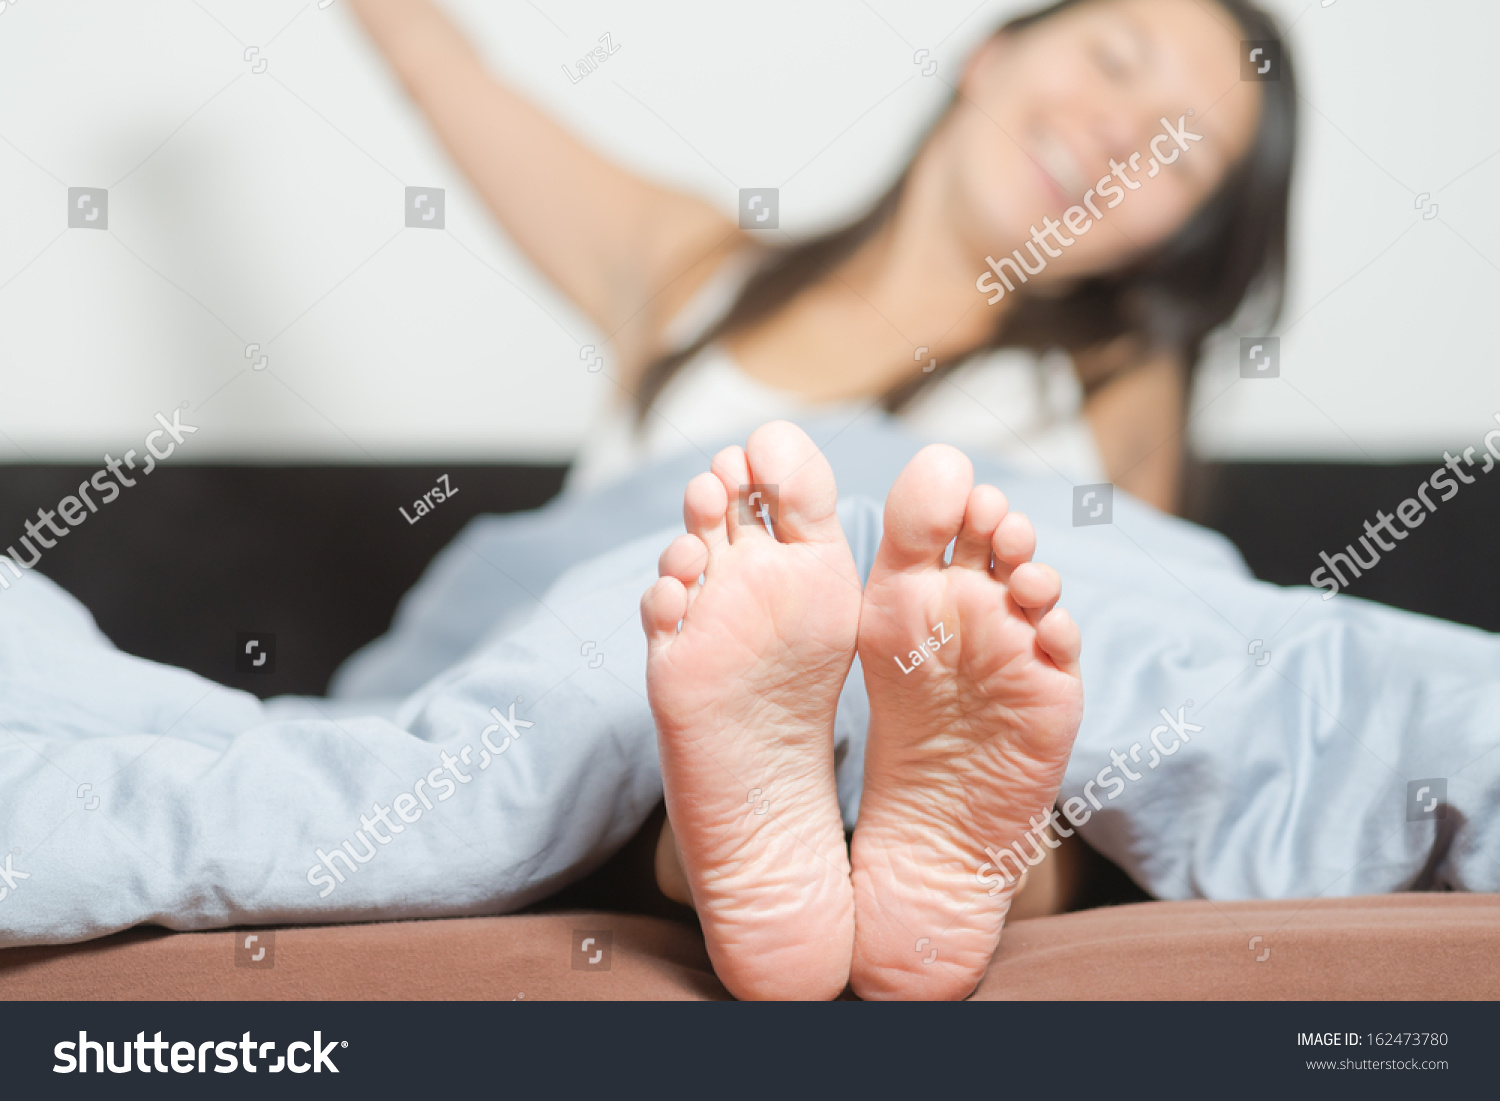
column 1411, row 946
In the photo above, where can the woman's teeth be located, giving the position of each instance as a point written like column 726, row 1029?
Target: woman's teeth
column 1058, row 163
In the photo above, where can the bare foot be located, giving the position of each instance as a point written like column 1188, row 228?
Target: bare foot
column 744, row 672
column 975, row 699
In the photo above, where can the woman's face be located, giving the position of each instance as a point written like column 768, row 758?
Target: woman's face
column 1046, row 110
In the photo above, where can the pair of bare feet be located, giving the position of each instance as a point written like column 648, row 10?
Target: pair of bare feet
column 751, row 637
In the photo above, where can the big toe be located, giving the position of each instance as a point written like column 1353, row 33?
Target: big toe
column 803, row 493
column 925, row 508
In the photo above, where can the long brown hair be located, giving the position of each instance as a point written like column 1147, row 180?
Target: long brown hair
column 1168, row 299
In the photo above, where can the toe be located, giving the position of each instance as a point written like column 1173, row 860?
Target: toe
column 1059, row 637
column 685, row 559
column 703, row 510
column 925, row 508
column 662, row 608
column 1035, row 588
column 1014, row 543
column 800, row 491
column 986, row 508
column 732, row 468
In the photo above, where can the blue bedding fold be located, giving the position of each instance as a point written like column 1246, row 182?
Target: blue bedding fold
column 496, row 743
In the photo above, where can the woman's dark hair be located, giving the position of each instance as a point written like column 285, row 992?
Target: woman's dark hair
column 1168, row 299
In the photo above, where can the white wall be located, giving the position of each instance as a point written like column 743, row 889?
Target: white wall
column 267, row 208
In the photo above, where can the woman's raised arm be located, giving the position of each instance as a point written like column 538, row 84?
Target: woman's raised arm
column 627, row 251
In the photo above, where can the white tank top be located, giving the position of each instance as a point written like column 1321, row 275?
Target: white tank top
column 1008, row 403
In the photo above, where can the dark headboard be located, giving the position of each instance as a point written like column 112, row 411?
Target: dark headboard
column 181, row 563
column 319, row 555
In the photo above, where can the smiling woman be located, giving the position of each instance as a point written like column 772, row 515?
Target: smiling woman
column 1076, row 218
column 1048, row 103
column 713, row 332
